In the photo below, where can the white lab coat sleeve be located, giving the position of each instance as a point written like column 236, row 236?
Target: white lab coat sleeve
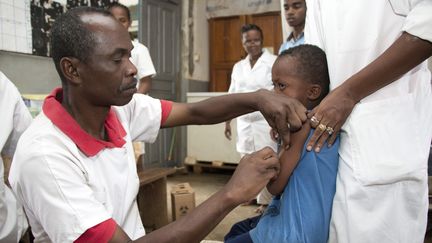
column 15, row 119
column 21, row 120
column 418, row 20
column 313, row 31
column 232, row 88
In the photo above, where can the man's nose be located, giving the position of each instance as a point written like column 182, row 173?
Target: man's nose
column 290, row 11
column 131, row 69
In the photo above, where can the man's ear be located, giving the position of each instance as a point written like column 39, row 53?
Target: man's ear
column 314, row 92
column 69, row 68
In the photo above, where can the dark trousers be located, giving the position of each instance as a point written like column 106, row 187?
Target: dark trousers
column 239, row 232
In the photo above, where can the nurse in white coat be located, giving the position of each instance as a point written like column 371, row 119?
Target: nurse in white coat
column 381, row 102
column 250, row 74
column 15, row 118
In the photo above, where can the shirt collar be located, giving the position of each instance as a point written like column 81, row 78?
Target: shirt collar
column 89, row 145
column 292, row 39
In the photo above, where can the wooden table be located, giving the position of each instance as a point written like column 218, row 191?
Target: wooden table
column 152, row 197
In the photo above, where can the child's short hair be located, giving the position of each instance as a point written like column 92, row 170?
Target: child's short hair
column 312, row 65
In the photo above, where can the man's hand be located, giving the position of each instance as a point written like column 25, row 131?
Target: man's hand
column 228, row 130
column 328, row 118
column 284, row 114
column 252, row 174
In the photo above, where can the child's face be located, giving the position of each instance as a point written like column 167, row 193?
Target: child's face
column 287, row 82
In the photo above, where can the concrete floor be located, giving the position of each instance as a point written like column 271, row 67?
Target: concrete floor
column 205, row 185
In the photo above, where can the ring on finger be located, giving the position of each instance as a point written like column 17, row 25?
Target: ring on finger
column 314, row 120
column 322, row 127
column 330, row 130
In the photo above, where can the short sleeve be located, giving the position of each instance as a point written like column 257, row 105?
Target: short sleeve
column 232, row 88
column 142, row 116
column 61, row 186
column 419, row 19
column 102, row 232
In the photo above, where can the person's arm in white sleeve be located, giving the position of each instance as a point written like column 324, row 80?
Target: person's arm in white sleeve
column 15, row 119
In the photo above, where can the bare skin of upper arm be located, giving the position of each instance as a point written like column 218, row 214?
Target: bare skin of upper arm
column 119, row 236
column 288, row 160
column 180, row 115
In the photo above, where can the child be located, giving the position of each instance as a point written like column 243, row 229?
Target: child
column 307, row 181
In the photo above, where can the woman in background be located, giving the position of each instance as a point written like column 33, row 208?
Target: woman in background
column 250, row 74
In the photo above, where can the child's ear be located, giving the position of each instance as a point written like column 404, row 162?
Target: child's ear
column 313, row 92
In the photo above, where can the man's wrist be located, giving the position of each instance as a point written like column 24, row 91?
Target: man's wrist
column 259, row 97
column 229, row 199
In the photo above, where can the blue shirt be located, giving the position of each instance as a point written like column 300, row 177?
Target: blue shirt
column 302, row 213
column 291, row 42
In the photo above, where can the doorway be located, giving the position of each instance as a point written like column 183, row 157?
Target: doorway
column 226, row 48
column 160, row 32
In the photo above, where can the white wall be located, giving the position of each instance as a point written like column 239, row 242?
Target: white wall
column 30, row 73
column 200, row 49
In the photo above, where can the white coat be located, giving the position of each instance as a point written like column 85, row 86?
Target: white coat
column 15, row 118
column 253, row 131
column 381, row 193
column 140, row 57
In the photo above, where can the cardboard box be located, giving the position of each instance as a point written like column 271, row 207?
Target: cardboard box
column 182, row 200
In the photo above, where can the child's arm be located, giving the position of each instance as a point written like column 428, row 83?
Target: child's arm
column 289, row 159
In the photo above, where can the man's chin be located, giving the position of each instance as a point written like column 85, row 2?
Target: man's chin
column 124, row 101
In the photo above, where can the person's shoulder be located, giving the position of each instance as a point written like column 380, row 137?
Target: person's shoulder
column 139, row 98
column 40, row 142
column 43, row 135
column 240, row 62
column 138, row 45
column 269, row 57
column 142, row 101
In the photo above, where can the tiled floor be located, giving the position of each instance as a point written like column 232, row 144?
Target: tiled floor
column 205, row 185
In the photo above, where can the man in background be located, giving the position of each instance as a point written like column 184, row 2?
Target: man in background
column 295, row 15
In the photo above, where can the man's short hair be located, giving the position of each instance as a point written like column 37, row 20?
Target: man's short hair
column 311, row 65
column 70, row 36
column 119, row 5
column 248, row 27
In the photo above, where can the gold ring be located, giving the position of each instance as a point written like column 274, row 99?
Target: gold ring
column 322, row 127
column 329, row 130
column 314, row 120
